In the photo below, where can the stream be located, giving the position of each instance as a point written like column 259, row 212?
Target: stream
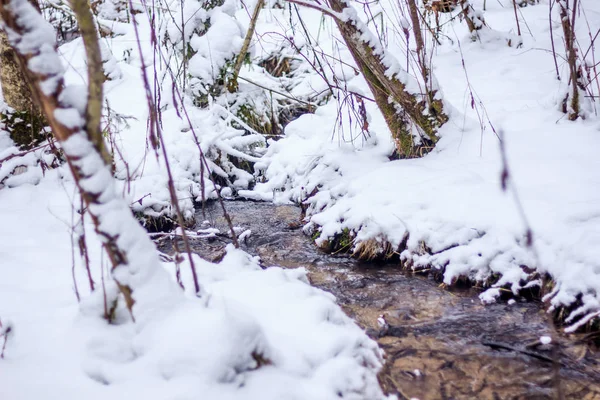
column 438, row 343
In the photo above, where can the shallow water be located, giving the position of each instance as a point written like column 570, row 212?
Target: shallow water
column 439, row 343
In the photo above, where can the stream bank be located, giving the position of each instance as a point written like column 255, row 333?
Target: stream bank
column 439, row 343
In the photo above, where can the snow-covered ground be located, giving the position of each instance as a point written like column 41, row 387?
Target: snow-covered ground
column 252, row 334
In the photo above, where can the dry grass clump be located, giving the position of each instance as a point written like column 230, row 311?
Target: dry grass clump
column 374, row 249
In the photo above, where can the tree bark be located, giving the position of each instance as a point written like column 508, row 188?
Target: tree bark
column 89, row 34
column 15, row 88
column 412, row 110
column 232, row 84
column 421, row 49
column 26, row 123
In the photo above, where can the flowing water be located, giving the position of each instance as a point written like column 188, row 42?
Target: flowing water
column 438, row 343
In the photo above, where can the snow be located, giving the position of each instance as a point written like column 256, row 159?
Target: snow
column 545, row 339
column 450, row 205
column 193, row 347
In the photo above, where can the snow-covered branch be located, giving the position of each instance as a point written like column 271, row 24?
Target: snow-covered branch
column 132, row 254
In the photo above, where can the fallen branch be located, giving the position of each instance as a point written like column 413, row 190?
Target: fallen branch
column 502, row 346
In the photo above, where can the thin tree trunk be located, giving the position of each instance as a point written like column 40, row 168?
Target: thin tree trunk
column 517, row 18
column 89, row 34
column 421, row 49
column 135, row 265
column 568, row 26
column 232, row 85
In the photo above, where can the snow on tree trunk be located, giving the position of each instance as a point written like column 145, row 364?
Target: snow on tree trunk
column 473, row 18
column 135, row 264
column 399, row 99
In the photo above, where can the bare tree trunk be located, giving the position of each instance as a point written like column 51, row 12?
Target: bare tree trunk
column 135, row 265
column 568, row 25
column 232, row 84
column 87, row 27
column 421, row 49
column 412, row 110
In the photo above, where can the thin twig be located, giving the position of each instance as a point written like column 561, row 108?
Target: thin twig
column 550, row 5
column 154, row 133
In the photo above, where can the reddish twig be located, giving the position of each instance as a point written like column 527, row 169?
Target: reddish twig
column 154, row 134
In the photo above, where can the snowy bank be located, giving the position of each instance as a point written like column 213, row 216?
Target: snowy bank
column 252, row 334
column 447, row 211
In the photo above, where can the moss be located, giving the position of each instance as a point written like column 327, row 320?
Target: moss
column 316, row 234
column 231, row 77
column 397, row 120
column 210, row 4
column 189, row 52
column 201, row 100
column 215, row 89
column 25, row 129
column 340, row 243
column 257, row 122
column 345, row 239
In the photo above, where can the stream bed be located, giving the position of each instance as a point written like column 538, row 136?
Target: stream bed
column 438, row 343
